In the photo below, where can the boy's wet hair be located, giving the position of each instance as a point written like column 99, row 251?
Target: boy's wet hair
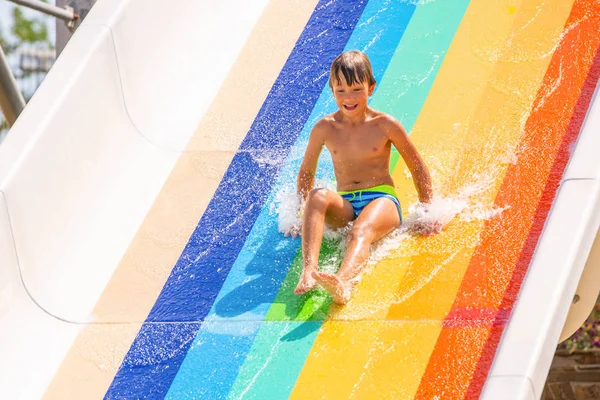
column 354, row 65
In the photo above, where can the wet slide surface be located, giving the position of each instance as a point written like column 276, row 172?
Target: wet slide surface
column 493, row 95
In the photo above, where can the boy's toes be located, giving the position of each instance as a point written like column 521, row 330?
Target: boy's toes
column 300, row 289
column 305, row 284
column 339, row 290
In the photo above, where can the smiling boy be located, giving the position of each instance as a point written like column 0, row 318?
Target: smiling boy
column 359, row 139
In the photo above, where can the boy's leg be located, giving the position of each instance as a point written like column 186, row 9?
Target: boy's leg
column 377, row 219
column 322, row 207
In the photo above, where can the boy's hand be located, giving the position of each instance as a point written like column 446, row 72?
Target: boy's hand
column 426, row 222
column 294, row 231
column 291, row 211
column 427, row 227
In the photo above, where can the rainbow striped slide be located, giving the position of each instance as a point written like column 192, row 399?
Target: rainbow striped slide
column 139, row 243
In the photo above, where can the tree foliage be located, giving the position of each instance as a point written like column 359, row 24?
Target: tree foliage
column 29, row 30
column 23, row 31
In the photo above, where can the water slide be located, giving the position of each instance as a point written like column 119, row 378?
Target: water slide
column 143, row 189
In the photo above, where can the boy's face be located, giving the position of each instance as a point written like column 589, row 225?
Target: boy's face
column 352, row 100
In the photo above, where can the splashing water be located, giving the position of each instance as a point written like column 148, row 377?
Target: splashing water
column 289, row 209
column 466, row 204
column 431, row 218
column 436, row 215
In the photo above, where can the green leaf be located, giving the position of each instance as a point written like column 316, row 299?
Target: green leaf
column 28, row 30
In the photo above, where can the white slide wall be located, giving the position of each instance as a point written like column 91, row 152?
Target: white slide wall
column 86, row 159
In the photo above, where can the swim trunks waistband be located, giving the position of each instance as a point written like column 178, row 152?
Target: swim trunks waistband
column 389, row 189
column 359, row 199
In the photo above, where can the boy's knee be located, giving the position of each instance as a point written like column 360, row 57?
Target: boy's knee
column 360, row 232
column 318, row 198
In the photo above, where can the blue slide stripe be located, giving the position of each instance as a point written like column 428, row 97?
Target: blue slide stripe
column 159, row 349
column 227, row 334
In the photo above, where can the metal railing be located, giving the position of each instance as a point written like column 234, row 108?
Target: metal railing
column 66, row 14
column 11, row 99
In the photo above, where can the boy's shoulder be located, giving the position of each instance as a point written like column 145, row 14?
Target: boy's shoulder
column 385, row 121
column 322, row 128
column 383, row 117
column 326, row 123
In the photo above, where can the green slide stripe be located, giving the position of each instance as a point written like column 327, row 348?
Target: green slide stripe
column 417, row 60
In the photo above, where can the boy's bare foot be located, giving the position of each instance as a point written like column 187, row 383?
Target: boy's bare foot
column 306, row 282
column 338, row 289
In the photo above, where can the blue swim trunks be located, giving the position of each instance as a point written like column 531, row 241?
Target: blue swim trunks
column 360, row 198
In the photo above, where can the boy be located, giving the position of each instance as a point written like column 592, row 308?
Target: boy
column 359, row 139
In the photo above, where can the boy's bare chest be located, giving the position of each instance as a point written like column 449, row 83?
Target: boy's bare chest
column 357, row 143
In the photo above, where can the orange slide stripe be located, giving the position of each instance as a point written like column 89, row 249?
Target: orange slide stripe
column 552, row 184
column 473, row 328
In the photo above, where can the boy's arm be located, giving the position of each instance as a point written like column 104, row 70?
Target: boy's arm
column 308, row 168
column 306, row 175
column 413, row 160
